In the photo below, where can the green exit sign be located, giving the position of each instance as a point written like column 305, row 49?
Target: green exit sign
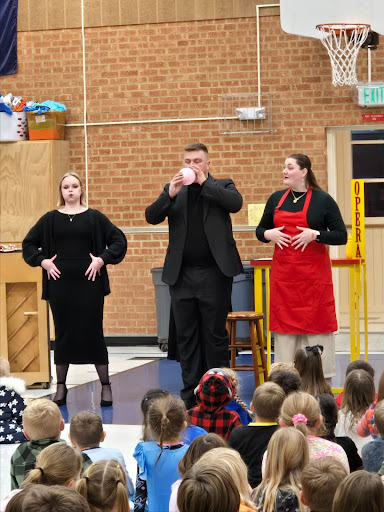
column 369, row 94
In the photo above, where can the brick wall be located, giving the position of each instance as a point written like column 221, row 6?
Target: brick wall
column 176, row 70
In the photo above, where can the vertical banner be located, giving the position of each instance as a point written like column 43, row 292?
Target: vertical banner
column 358, row 218
column 8, row 37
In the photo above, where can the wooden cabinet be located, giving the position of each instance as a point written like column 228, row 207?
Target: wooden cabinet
column 23, row 320
column 30, row 173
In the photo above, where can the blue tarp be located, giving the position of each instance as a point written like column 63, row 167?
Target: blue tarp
column 8, row 37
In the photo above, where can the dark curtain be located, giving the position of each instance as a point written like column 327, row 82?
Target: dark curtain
column 8, row 37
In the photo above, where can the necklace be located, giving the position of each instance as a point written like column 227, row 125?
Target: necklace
column 71, row 217
column 297, row 198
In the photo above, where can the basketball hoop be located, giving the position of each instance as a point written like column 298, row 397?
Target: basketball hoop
column 343, row 42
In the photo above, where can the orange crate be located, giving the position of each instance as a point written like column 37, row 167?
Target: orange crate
column 47, row 126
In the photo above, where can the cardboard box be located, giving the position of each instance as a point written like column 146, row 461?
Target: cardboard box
column 47, row 126
column 14, row 127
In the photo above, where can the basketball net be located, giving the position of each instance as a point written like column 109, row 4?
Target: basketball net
column 343, row 43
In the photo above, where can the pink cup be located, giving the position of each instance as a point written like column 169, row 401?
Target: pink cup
column 189, row 176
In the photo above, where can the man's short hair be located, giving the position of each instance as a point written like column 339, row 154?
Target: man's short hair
column 319, row 481
column 267, row 400
column 290, row 381
column 86, row 429
column 359, row 364
column 196, row 146
column 378, row 416
column 42, row 420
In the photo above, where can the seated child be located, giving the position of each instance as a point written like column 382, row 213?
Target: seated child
column 359, row 492
column 214, row 392
column 237, row 404
column 366, row 426
column 251, row 441
column 286, row 376
column 86, row 433
column 158, row 458
column 308, row 363
column 11, row 405
column 373, row 452
column 319, row 482
column 280, row 487
column 42, row 424
column 40, row 498
column 104, row 486
column 359, row 364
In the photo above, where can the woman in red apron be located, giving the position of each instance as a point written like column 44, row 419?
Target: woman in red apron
column 302, row 220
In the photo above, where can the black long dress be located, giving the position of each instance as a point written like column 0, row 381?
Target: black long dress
column 76, row 303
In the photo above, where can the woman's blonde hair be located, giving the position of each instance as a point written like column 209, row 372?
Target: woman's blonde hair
column 300, row 410
column 358, row 395
column 288, row 454
column 57, row 464
column 83, row 200
column 104, row 486
column 230, row 461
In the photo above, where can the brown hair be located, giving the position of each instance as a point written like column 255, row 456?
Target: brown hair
column 42, row 420
column 4, row 367
column 359, row 364
column 288, row 380
column 86, row 429
column 207, row 488
column 267, row 401
column 198, row 447
column 360, row 492
column 380, row 389
column 319, row 482
column 61, row 201
column 304, row 163
column 196, row 146
column 288, row 454
column 378, row 416
column 280, row 365
column 358, row 395
column 57, row 464
column 103, row 485
column 300, row 403
column 39, row 498
column 308, row 363
column 166, row 417
column 148, row 398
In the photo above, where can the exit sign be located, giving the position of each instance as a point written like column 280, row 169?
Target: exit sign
column 370, row 94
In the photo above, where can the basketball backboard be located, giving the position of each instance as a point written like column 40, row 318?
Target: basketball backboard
column 300, row 17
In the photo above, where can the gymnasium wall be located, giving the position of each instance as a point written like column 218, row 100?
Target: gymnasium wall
column 170, row 70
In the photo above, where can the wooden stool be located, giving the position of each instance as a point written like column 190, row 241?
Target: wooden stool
column 256, row 343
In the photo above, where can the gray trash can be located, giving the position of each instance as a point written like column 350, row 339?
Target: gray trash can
column 163, row 307
column 243, row 298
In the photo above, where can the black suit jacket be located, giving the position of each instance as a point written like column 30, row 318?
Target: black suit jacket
column 220, row 198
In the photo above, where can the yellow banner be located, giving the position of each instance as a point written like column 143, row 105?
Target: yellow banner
column 358, row 218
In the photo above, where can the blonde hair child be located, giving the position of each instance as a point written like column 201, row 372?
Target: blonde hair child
column 103, row 485
column 288, row 454
column 244, row 413
column 360, row 492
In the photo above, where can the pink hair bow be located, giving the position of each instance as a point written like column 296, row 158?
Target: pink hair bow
column 299, row 418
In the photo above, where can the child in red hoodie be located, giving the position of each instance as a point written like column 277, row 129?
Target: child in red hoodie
column 214, row 392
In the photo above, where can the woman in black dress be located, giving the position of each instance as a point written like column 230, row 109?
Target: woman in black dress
column 73, row 245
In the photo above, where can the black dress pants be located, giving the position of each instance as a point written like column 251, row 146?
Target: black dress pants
column 201, row 299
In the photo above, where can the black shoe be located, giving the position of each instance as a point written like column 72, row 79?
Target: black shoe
column 106, row 403
column 61, row 401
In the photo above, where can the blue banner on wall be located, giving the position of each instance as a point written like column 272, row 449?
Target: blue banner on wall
column 8, row 37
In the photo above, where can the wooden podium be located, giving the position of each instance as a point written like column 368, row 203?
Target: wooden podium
column 24, row 321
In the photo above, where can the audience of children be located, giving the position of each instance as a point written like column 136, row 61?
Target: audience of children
column 104, row 486
column 302, row 411
column 86, row 433
column 359, row 364
column 12, row 405
column 214, row 391
column 319, row 482
column 279, row 489
column 373, row 452
column 237, row 404
column 308, row 363
column 329, row 413
column 42, row 423
column 366, row 426
column 251, row 441
column 198, row 447
column 358, row 395
column 359, row 492
column 158, row 459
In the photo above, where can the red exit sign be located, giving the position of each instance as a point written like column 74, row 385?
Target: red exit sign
column 372, row 118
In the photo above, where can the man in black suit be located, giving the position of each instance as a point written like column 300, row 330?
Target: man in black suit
column 200, row 263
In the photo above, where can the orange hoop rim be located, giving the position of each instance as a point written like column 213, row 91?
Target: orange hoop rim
column 348, row 27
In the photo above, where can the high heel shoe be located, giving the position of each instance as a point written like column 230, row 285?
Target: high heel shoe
column 61, row 401
column 106, row 403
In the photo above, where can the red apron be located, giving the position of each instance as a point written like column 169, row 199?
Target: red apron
column 301, row 300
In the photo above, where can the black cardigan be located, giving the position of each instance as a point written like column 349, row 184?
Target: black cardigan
column 108, row 243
